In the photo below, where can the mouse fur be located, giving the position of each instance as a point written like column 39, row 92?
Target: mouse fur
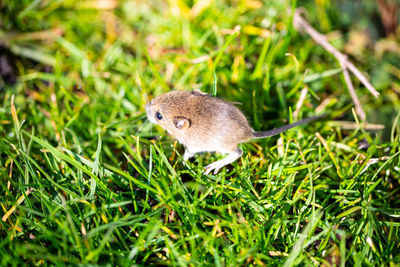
column 203, row 123
column 199, row 121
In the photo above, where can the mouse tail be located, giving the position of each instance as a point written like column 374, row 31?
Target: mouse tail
column 284, row 128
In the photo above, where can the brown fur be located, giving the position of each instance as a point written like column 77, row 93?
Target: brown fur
column 215, row 124
column 205, row 123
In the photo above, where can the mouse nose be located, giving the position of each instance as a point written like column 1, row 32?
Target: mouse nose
column 149, row 112
column 149, row 103
column 148, row 107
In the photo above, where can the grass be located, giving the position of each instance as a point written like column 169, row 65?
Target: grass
column 85, row 179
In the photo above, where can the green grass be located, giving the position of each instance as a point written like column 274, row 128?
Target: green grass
column 85, row 179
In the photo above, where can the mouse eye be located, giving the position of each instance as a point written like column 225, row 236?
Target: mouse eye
column 158, row 116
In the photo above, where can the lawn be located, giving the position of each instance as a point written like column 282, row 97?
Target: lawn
column 86, row 179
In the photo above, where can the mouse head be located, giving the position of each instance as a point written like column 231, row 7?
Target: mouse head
column 171, row 111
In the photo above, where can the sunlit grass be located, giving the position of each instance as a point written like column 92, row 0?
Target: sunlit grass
column 86, row 179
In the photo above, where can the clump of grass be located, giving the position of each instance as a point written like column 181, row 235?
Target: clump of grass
column 85, row 179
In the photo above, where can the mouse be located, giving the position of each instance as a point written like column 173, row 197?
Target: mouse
column 204, row 123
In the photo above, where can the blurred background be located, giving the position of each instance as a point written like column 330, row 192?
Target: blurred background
column 68, row 60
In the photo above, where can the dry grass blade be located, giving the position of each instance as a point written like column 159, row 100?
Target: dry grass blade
column 302, row 25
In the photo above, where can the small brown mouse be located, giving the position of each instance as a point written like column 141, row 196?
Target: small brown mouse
column 203, row 123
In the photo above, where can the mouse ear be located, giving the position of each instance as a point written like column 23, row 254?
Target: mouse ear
column 181, row 123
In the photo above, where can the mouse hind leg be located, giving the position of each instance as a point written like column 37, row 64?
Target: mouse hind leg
column 234, row 155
